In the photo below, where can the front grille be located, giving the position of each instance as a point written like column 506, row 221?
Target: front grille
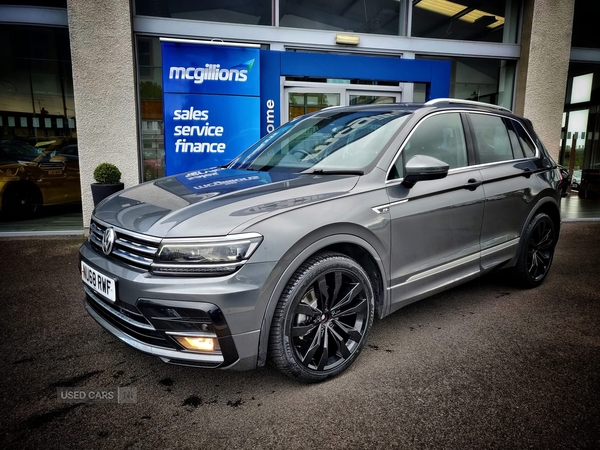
column 135, row 249
column 52, row 165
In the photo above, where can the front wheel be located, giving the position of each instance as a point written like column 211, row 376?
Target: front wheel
column 537, row 251
column 323, row 318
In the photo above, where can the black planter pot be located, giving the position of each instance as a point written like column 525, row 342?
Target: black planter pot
column 101, row 191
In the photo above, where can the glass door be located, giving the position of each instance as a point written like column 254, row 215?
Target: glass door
column 300, row 100
column 371, row 97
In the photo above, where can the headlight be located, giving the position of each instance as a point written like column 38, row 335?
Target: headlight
column 205, row 256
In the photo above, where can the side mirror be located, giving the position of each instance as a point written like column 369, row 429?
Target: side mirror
column 422, row 168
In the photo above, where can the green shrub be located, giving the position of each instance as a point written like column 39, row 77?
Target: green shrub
column 107, row 173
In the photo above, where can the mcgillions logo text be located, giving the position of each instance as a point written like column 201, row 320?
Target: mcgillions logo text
column 211, row 72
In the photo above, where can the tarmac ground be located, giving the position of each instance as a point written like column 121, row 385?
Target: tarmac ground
column 484, row 365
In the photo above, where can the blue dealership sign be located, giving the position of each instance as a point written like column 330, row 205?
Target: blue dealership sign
column 208, row 130
column 211, row 104
column 270, row 71
column 210, row 69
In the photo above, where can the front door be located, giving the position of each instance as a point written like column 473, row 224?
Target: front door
column 435, row 224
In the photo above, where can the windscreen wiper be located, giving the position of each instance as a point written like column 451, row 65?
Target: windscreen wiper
column 334, row 172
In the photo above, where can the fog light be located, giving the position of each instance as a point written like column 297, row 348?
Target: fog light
column 203, row 344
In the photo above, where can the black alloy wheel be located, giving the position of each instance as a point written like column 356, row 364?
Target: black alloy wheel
column 537, row 252
column 323, row 318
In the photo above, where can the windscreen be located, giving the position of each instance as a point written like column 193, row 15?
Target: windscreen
column 327, row 141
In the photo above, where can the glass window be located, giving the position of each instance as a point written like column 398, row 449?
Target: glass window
column 466, row 20
column 251, row 12
column 578, row 149
column 527, row 145
column 514, row 140
column 151, row 107
column 39, row 165
column 370, row 99
column 374, row 17
column 580, row 138
column 483, row 80
column 46, row 3
column 491, row 138
column 304, row 103
column 584, row 33
column 440, row 136
column 36, row 84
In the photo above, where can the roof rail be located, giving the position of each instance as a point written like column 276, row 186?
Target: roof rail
column 435, row 101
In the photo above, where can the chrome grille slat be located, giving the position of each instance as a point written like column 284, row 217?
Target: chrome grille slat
column 134, row 249
column 96, row 240
column 137, row 247
column 135, row 259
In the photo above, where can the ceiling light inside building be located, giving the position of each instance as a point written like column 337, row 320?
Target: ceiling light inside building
column 452, row 9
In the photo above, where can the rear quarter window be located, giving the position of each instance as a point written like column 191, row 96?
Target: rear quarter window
column 526, row 143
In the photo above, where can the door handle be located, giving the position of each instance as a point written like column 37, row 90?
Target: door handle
column 472, row 184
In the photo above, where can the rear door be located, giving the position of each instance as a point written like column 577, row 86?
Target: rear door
column 505, row 155
column 436, row 223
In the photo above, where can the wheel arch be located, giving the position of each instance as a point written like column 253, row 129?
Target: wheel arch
column 347, row 244
column 547, row 205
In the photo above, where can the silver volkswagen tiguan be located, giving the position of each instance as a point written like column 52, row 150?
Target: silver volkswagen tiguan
column 289, row 252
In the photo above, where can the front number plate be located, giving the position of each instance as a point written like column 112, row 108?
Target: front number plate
column 100, row 283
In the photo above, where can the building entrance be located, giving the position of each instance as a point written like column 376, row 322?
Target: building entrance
column 303, row 98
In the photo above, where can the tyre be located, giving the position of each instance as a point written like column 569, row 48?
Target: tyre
column 536, row 252
column 21, row 200
column 322, row 319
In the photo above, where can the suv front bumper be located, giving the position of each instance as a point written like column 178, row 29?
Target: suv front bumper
column 151, row 312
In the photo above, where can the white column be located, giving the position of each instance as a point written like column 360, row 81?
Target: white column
column 543, row 67
column 105, row 92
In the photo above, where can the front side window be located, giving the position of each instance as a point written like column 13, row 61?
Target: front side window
column 491, row 138
column 327, row 141
column 440, row 136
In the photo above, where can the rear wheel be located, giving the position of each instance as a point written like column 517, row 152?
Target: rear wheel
column 323, row 318
column 537, row 251
column 21, row 200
